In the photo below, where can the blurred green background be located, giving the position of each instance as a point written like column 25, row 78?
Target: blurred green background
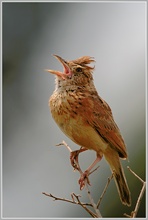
column 115, row 34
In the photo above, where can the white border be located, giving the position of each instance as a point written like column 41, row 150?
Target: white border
column 146, row 78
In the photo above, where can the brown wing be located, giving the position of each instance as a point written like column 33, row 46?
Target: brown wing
column 104, row 124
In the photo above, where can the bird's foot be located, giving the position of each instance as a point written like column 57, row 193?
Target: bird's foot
column 84, row 179
column 74, row 159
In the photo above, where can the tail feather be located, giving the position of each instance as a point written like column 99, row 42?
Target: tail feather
column 119, row 177
column 122, row 186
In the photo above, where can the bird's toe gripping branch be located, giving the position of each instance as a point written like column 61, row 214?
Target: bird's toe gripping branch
column 84, row 179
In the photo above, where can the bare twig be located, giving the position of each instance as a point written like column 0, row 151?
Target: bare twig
column 105, row 189
column 135, row 174
column 78, row 202
column 58, row 198
column 67, row 200
column 134, row 213
column 84, row 206
column 126, row 215
column 65, row 144
column 98, row 213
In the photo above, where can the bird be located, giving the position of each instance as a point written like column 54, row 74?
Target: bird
column 87, row 120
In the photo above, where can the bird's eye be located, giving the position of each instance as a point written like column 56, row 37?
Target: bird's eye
column 79, row 69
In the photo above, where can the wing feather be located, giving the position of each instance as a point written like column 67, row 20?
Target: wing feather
column 103, row 122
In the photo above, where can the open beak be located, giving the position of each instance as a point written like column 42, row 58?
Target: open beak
column 66, row 70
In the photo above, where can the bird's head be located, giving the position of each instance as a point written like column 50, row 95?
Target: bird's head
column 76, row 72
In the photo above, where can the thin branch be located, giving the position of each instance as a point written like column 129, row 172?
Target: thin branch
column 60, row 199
column 66, row 200
column 135, row 174
column 64, row 144
column 126, row 215
column 105, row 189
column 134, row 213
column 98, row 213
column 83, row 206
column 78, row 202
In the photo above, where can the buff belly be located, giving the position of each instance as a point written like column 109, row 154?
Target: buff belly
column 79, row 131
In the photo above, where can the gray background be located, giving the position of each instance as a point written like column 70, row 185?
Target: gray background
column 113, row 33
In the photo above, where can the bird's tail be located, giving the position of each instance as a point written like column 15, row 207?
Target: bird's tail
column 119, row 177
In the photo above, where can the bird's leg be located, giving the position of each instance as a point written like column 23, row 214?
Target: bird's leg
column 84, row 176
column 74, row 158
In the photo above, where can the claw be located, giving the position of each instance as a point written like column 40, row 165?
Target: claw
column 84, row 179
column 74, row 159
